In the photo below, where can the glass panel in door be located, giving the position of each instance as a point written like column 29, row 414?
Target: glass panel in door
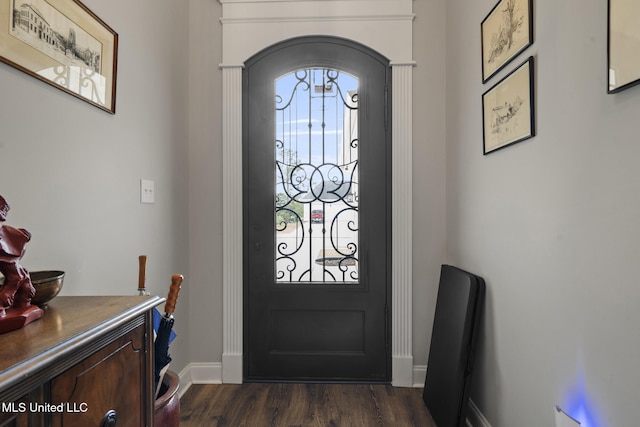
column 316, row 177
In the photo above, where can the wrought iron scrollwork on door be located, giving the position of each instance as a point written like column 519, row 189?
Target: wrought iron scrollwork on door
column 316, row 177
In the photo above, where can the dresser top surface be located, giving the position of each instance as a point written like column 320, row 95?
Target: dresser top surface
column 67, row 322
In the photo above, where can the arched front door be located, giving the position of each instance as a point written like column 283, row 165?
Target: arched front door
column 316, row 220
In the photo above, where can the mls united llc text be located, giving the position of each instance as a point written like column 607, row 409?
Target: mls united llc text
column 35, row 407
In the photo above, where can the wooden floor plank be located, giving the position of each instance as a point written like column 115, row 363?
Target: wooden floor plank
column 303, row 405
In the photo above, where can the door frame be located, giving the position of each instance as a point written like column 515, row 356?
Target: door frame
column 373, row 73
column 393, row 40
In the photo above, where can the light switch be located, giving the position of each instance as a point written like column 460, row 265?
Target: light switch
column 147, row 192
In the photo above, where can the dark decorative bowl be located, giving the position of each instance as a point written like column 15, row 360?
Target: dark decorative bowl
column 47, row 284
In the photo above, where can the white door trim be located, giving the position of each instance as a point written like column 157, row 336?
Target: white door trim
column 275, row 21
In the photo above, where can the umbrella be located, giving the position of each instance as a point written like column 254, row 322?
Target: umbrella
column 164, row 331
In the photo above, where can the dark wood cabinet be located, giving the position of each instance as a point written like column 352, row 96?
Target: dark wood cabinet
column 87, row 362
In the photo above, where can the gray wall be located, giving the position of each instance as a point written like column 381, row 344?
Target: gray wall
column 429, row 101
column 205, row 181
column 552, row 224
column 71, row 172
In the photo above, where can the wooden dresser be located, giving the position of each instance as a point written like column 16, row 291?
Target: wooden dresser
column 88, row 362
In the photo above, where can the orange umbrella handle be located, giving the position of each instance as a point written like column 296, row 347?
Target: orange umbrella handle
column 172, row 297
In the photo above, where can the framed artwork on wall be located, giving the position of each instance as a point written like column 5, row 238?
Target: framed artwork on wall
column 623, row 45
column 508, row 109
column 505, row 32
column 64, row 44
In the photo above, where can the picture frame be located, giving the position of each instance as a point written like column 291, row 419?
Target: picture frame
column 508, row 109
column 623, row 45
column 505, row 32
column 64, row 44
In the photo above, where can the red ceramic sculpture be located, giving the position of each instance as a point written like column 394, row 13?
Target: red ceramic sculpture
column 16, row 292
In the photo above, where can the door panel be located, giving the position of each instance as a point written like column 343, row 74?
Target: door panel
column 297, row 331
column 316, row 213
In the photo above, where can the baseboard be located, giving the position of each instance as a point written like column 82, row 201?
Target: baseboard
column 199, row 373
column 211, row 373
column 419, row 375
column 475, row 418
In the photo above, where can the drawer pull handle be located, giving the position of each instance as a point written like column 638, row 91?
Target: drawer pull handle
column 109, row 419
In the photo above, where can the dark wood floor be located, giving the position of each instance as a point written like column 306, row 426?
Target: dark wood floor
column 288, row 405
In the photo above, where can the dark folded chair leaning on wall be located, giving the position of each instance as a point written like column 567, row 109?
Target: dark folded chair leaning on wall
column 453, row 341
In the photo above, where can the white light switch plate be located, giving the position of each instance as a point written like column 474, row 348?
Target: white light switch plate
column 147, row 191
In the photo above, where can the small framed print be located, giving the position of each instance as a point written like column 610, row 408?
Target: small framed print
column 508, row 109
column 505, row 32
column 623, row 61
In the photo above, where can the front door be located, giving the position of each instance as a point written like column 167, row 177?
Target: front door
column 316, row 213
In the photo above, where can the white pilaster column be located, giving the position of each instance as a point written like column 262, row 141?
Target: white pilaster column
column 402, row 276
column 232, row 220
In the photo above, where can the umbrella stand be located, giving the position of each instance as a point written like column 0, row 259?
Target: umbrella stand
column 161, row 345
